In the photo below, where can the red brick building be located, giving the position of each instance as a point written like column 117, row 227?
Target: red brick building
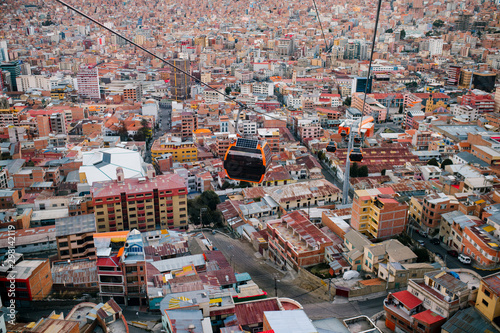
column 295, row 242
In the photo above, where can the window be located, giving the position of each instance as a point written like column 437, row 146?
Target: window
column 484, row 302
column 487, row 293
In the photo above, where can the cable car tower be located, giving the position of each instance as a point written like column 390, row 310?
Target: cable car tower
column 355, row 131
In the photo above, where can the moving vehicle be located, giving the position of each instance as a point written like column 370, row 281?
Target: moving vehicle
column 421, row 242
column 452, row 253
column 435, row 241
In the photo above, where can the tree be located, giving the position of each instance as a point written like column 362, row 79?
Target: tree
column 446, row 162
column 383, row 172
column 389, row 31
column 433, row 161
column 228, row 90
column 437, row 24
column 401, row 108
column 422, row 255
column 209, row 199
column 402, row 34
column 353, row 170
column 347, row 101
column 363, row 171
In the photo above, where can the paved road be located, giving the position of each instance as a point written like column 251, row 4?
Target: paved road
column 451, row 262
column 242, row 257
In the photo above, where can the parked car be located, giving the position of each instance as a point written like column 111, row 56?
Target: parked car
column 435, row 241
column 421, row 242
column 464, row 259
column 452, row 253
column 423, row 233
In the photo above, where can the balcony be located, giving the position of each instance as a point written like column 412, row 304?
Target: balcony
column 390, row 307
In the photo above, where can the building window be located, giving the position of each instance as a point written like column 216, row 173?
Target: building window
column 484, row 302
column 487, row 293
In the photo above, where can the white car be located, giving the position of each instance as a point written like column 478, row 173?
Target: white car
column 464, row 259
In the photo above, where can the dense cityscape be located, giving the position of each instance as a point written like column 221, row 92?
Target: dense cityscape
column 249, row 166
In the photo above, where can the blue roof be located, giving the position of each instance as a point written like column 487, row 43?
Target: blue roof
column 469, row 158
column 241, row 277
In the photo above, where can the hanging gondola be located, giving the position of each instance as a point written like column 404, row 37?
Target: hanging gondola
column 247, row 160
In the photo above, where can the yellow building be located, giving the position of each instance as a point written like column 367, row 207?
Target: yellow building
column 181, row 151
column 488, row 296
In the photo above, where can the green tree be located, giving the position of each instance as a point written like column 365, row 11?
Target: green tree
column 402, row 34
column 353, row 170
column 228, row 90
column 437, row 24
column 347, row 101
column 401, row 108
column 209, row 199
column 422, row 255
column 383, row 172
column 389, row 31
column 363, row 171
column 433, row 161
column 446, row 162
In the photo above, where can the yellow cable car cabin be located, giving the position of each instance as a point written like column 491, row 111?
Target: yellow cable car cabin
column 247, row 160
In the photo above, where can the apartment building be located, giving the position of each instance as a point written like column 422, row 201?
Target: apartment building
column 32, row 279
column 88, row 82
column 272, row 136
column 122, row 276
column 488, row 296
column 404, row 312
column 310, row 131
column 189, row 124
column 74, row 236
column 482, row 244
column 295, row 242
column 181, row 151
column 433, row 206
column 441, row 292
column 453, row 225
column 377, row 213
column 486, row 154
column 141, row 203
column 466, row 112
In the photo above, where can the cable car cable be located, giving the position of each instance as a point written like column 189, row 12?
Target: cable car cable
column 226, row 96
column 320, row 25
column 371, row 53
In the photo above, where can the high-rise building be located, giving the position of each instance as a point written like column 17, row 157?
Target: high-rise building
column 189, row 123
column 88, row 82
column 435, row 47
column 14, row 68
column 140, row 203
column 58, row 123
column 453, row 73
column 4, row 53
column 180, row 82
column 43, row 126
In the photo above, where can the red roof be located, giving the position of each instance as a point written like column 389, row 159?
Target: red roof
column 428, row 317
column 408, row 299
column 249, row 313
column 109, row 262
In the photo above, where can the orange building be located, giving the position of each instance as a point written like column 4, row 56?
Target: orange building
column 43, row 126
column 378, row 214
column 481, row 244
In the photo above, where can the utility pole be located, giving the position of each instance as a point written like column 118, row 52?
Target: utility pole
column 276, row 285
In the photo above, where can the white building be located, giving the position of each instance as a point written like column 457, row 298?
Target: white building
column 150, row 108
column 213, row 97
column 435, row 47
column 263, row 88
column 25, row 82
column 466, row 112
column 249, row 127
column 4, row 53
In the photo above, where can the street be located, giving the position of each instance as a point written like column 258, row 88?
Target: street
column 242, row 257
column 451, row 262
column 164, row 114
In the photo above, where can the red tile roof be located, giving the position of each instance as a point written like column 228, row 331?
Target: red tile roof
column 408, row 299
column 428, row 317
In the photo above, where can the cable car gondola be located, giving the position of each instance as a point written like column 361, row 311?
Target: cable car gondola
column 247, row 160
column 356, row 155
column 357, row 140
column 332, row 147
